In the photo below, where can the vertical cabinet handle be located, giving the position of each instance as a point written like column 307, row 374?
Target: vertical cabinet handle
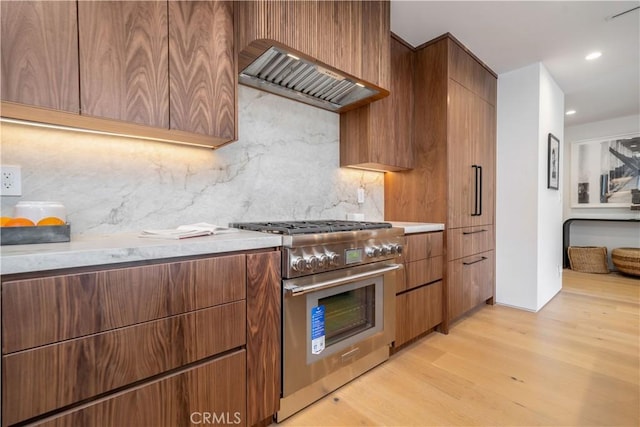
column 480, row 196
column 477, row 191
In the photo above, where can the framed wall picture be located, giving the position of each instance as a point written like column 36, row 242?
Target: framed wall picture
column 553, row 162
column 604, row 171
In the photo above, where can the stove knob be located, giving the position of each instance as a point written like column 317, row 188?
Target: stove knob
column 373, row 251
column 334, row 258
column 298, row 264
column 323, row 261
column 312, row 262
column 386, row 250
column 399, row 249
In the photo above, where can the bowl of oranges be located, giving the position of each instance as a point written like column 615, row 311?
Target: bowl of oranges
column 35, row 222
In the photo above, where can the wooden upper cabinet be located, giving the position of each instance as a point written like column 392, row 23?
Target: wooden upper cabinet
column 164, row 70
column 202, row 71
column 471, row 154
column 350, row 36
column 39, row 53
column 124, row 61
column 379, row 135
column 470, row 73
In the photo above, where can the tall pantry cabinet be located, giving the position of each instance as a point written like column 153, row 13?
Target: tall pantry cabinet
column 453, row 181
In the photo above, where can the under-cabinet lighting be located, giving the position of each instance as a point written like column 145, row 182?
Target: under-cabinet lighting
column 99, row 132
column 570, row 112
column 359, row 84
column 293, row 56
column 593, row 55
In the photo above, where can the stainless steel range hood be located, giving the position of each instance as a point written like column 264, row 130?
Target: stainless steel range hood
column 288, row 75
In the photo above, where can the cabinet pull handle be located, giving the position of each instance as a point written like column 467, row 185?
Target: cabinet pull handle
column 474, row 232
column 473, row 262
column 475, row 190
column 480, row 196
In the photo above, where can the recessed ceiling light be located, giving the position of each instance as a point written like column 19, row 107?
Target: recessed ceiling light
column 593, row 55
column 570, row 112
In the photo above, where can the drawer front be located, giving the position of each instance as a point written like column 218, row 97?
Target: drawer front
column 462, row 242
column 471, row 281
column 418, row 273
column 417, row 311
column 41, row 311
column 211, row 393
column 81, row 368
column 421, row 246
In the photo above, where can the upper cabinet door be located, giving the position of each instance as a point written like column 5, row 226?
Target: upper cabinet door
column 471, row 158
column 124, row 61
column 39, row 53
column 486, row 158
column 203, row 76
column 461, row 156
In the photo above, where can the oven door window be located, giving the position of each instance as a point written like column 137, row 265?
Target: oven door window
column 352, row 313
column 348, row 313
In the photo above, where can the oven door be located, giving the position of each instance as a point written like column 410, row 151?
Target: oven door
column 333, row 319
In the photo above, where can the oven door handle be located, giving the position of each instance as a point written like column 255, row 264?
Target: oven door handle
column 294, row 290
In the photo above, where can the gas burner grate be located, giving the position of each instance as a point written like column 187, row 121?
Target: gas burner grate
column 309, row 227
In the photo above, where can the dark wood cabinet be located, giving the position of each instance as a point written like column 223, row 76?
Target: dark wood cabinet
column 39, row 54
column 189, row 397
column 124, row 61
column 471, row 282
column 263, row 336
column 472, row 149
column 179, row 338
column 419, row 287
column 453, row 180
column 417, row 312
column 202, row 72
column 379, row 135
column 158, row 70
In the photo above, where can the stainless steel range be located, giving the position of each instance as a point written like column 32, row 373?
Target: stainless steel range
column 338, row 291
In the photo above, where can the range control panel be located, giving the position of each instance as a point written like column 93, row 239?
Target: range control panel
column 302, row 261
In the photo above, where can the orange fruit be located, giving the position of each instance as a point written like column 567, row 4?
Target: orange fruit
column 4, row 220
column 19, row 222
column 51, row 220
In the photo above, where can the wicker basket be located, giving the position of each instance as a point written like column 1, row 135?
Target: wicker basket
column 588, row 259
column 627, row 260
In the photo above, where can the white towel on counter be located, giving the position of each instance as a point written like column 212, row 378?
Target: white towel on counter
column 186, row 231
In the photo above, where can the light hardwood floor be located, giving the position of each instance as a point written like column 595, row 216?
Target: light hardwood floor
column 574, row 363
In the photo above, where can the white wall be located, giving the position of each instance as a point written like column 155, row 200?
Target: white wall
column 551, row 120
column 528, row 215
column 285, row 166
column 516, row 192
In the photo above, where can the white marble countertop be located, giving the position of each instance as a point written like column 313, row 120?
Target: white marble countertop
column 85, row 251
column 417, row 227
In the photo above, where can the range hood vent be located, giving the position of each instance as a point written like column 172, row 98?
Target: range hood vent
column 285, row 74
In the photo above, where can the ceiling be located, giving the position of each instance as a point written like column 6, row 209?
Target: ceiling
column 508, row 35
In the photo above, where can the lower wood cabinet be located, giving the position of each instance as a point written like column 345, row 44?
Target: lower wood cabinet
column 471, row 282
column 213, row 391
column 167, row 344
column 418, row 311
column 419, row 290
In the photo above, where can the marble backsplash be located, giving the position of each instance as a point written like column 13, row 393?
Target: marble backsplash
column 285, row 166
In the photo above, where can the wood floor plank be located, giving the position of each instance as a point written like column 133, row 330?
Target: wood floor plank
column 576, row 362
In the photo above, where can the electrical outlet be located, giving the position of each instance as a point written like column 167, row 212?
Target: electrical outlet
column 360, row 195
column 11, row 180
